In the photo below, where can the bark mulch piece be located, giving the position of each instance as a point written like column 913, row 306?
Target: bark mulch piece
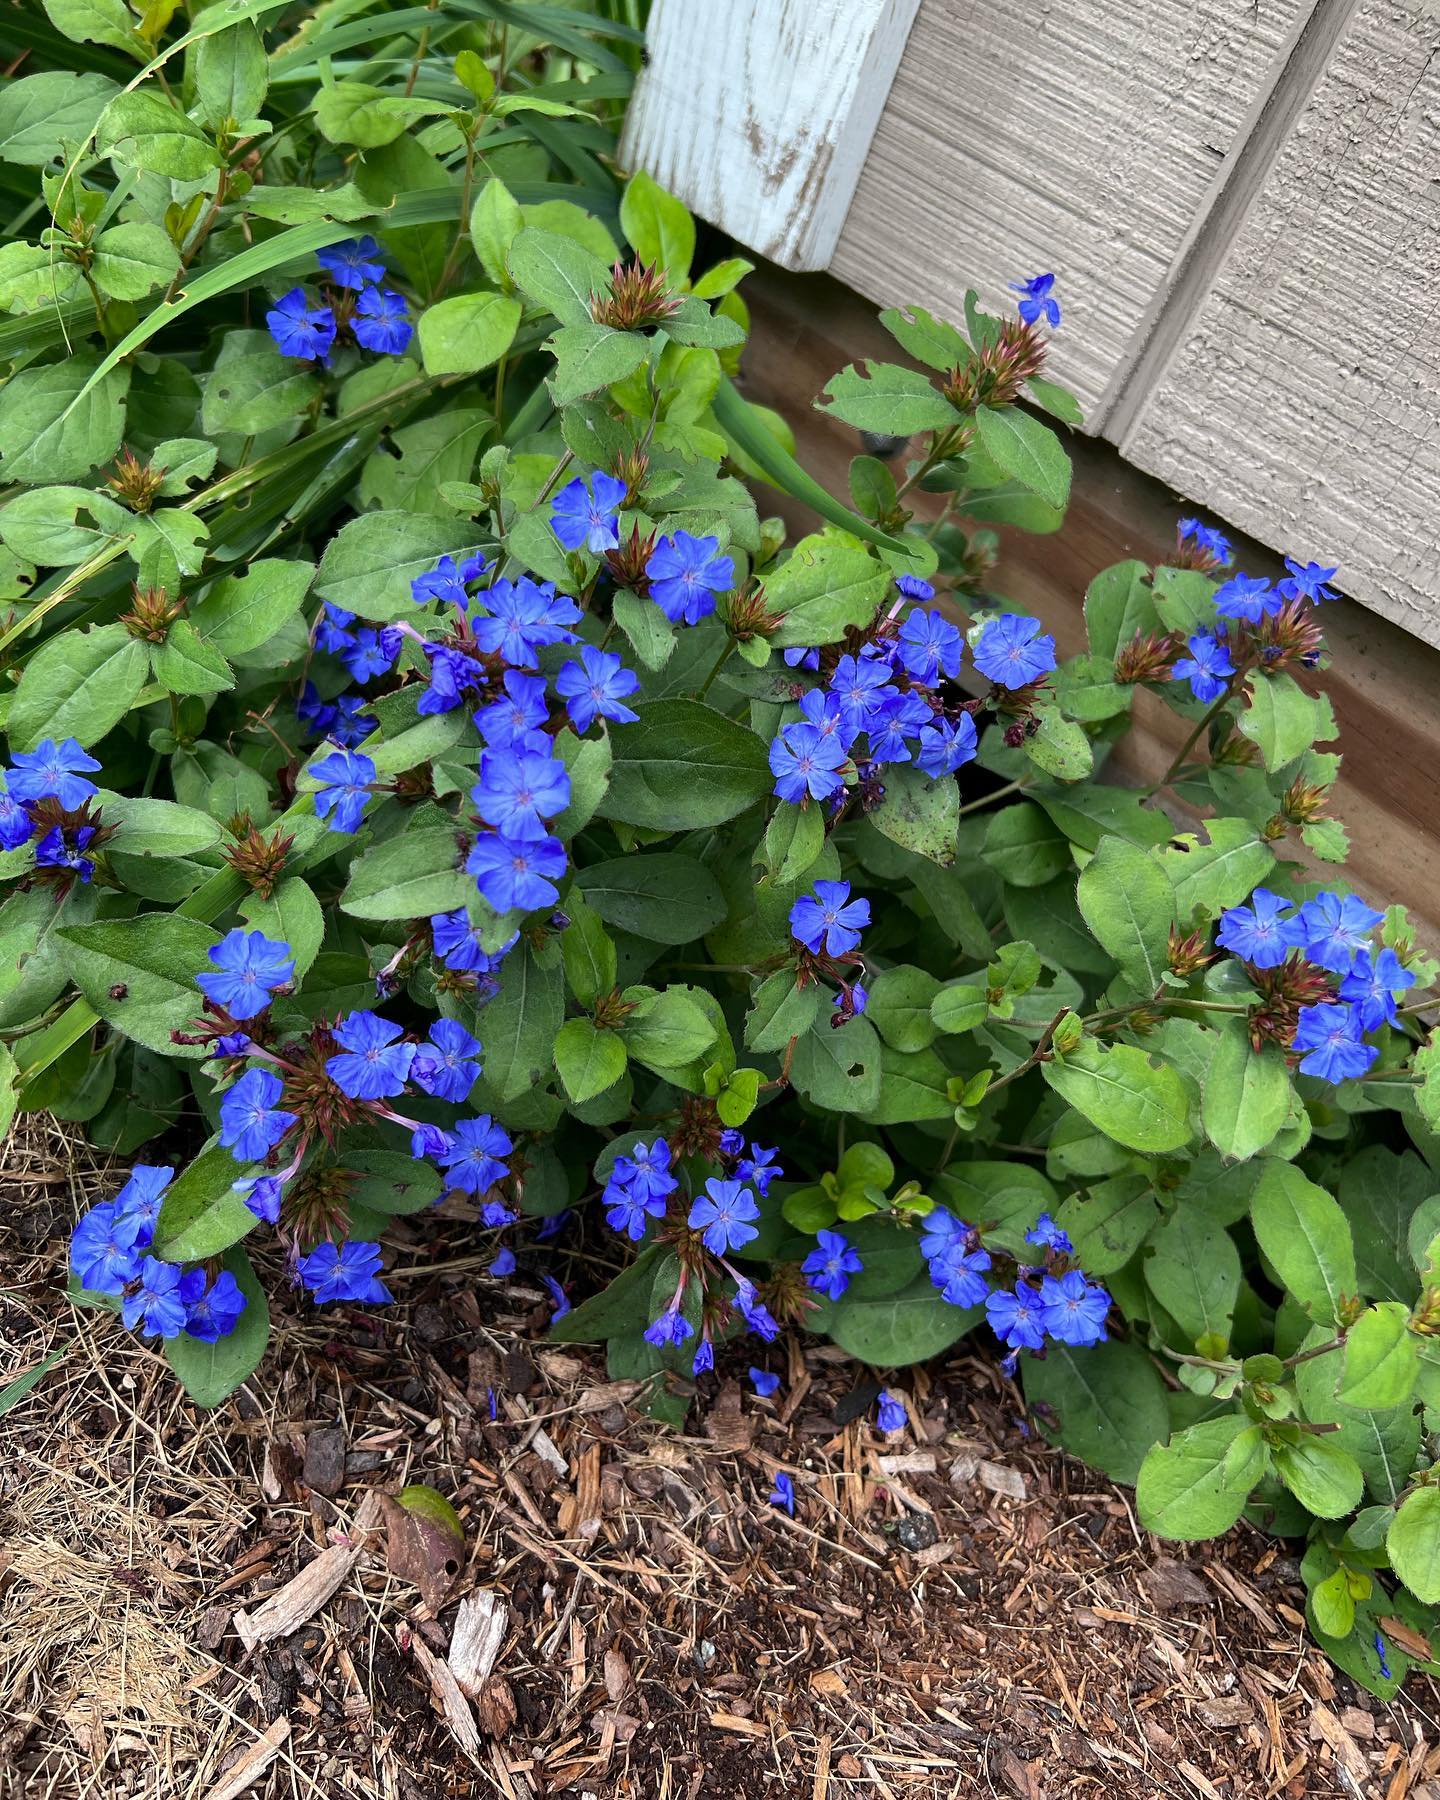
column 201, row 1606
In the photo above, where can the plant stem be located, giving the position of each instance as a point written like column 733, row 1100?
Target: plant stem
column 719, row 664
column 1201, row 726
column 1010, row 787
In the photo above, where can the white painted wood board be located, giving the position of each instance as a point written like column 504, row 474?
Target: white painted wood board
column 759, row 113
column 1081, row 137
column 1301, row 401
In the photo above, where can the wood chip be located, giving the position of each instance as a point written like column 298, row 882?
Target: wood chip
column 724, row 1721
column 1001, row 1480
column 253, row 1764
column 449, row 1701
column 1326, row 1728
column 1224, row 1713
column 481, row 1623
column 909, row 1462
column 301, row 1598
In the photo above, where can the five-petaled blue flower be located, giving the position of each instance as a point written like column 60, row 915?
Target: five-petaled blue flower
column 890, row 1413
column 332, row 629
column 300, row 330
column 251, row 1124
column 595, row 688
column 215, row 1311
column 371, row 1065
column 348, row 1271
column 353, row 264
column 52, row 770
column 345, row 778
column 1334, row 928
column 52, row 851
column 763, row 1381
column 371, row 653
column 1332, row 1037
column 516, row 872
column 446, row 581
column 829, row 916
column 1045, row 1234
column 519, row 789
column 457, row 944
column 381, row 321
column 759, row 1168
column 251, row 967
column 722, row 1215
column 944, row 746
column 143, row 1196
column 516, row 721
column 16, row 825
column 521, row 618
column 1015, row 1318
column 1246, row 597
column 1013, row 651
column 1206, row 667
column 1072, row 1309
column 862, row 685
column 448, row 1066
column 807, row 762
column 473, row 1161
column 686, row 573
column 104, row 1249
column 1372, row 984
column 585, row 513
column 929, row 646
column 1257, row 933
column 1306, row 581
column 1036, row 300
column 157, row 1307
column 830, row 1264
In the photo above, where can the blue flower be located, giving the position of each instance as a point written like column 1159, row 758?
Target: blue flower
column 502, row 1263
column 1012, row 651
column 262, row 1194
column 250, row 1123
column 647, row 1168
column 913, row 588
column 828, row 915
column 1246, row 597
column 353, row 264
column 371, row 1065
column 1072, row 1310
column 759, row 1168
column 732, row 1142
column 686, row 573
column 1015, row 1318
column 960, row 1273
column 929, row 646
column 941, row 1233
column 558, row 1295
column 1372, row 984
column 52, row 771
column 473, row 1161
column 251, row 967
column 890, row 1413
column 595, row 688
column 585, row 513
column 862, row 685
column 1257, row 933
column 315, row 714
column 382, row 321
column 519, row 789
column 945, row 746
column 345, row 778
column 332, row 629
column 448, row 1066
column 901, row 717
column 630, row 1210
column 1385, row 1670
column 783, row 1493
column 830, row 1264
column 495, row 1213
column 1214, row 543
column 671, row 1328
column 804, row 762
column 722, row 1215
column 300, row 330
column 516, row 872
column 457, row 944
column 428, row 1143
column 156, row 1307
column 452, row 676
column 348, row 1271
column 518, row 718
column 371, row 653
column 16, row 825
column 216, row 1311
column 232, row 1043
column 52, row 852
column 446, row 581
column 1045, row 1234
column 521, row 618
column 1332, row 1038
column 763, row 1381
column 798, row 657
column 637, row 1188
column 1306, row 581
column 1036, row 302
column 704, row 1359
column 754, row 1312
column 143, row 1197
column 1334, row 928
column 824, row 711
column 104, row 1249
column 1206, row 666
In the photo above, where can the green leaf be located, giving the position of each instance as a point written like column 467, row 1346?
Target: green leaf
column 1126, row 899
column 130, row 261
column 960, row 1006
column 920, row 815
column 241, row 612
column 186, row 664
column 1024, row 846
column 914, row 1085
column 615, row 1309
column 410, row 473
column 794, row 839
column 1026, row 450
column 1210, row 877
column 682, row 767
column 588, row 1060
column 142, row 130
column 408, row 877
column 1196, row 1486
column 1380, row 1358
column 1306, row 1238
column 210, row 1372
column 291, row 915
column 1413, row 1543
column 43, row 525
column 1282, row 720
column 1109, row 1221
column 899, row 1007
column 1060, row 747
column 658, row 226
column 40, row 113
column 896, row 1329
column 780, row 1011
column 1193, row 1269
column 202, row 1214
column 96, row 22
column 587, row 761
column 1325, row 1479
column 1382, row 1194
column 349, row 112
column 80, row 684
column 587, row 951
column 1085, row 688
column 667, row 1030
column 157, row 828
column 557, row 274
column 839, row 1070
column 1118, row 603
column 651, row 635
column 388, row 1181
column 1109, row 1402
column 823, row 587
column 1059, row 402
column 1139, row 1104
column 495, row 222
column 667, row 899
column 48, row 432
column 521, row 1023
column 139, row 974
column 1246, row 1093
column 589, row 357
column 932, row 341
column 231, row 74
column 251, row 390
column 888, row 400
column 467, row 333
column 369, row 564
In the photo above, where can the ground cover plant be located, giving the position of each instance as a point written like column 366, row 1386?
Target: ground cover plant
column 429, row 772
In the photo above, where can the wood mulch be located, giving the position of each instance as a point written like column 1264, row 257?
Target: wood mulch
column 201, row 1606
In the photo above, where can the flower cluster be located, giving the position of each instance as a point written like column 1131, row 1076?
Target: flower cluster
column 1323, row 981
column 110, row 1254
column 682, row 574
column 1260, row 627
column 355, row 300
column 44, row 798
